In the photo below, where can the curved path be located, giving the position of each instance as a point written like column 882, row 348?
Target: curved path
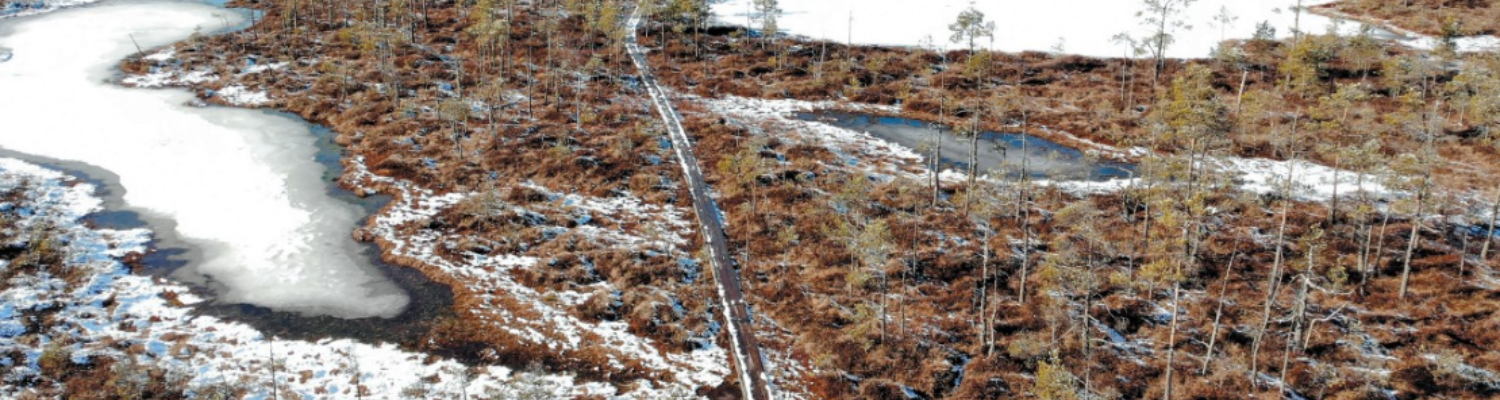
column 745, row 349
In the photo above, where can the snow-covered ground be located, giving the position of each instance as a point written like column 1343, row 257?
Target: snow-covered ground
column 522, row 312
column 233, row 180
column 22, row 8
column 240, row 96
column 1311, row 182
column 753, row 113
column 109, row 313
column 168, row 72
column 1416, row 40
column 1085, row 27
column 241, row 185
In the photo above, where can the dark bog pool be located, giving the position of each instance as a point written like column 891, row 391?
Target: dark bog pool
column 1005, row 154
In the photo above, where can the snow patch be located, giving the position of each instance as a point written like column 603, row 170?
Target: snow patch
column 207, row 350
column 517, row 309
column 240, row 96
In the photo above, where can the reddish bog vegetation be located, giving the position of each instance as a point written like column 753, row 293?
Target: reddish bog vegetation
column 1005, row 290
column 523, row 105
column 1440, row 18
column 878, row 285
column 1345, row 91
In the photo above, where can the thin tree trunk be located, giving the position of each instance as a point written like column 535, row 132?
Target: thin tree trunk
column 906, row 274
column 530, row 89
column 1125, row 85
column 1172, row 341
column 1333, row 206
column 1302, row 300
column 1275, row 280
column 1411, row 243
column 1364, row 248
column 1239, row 98
column 1025, row 244
column 973, row 161
column 1297, row 315
column 1161, row 47
column 1213, row 338
column 1463, row 258
column 1379, row 244
column 937, row 146
column 885, row 295
column 1484, row 251
column 1186, row 263
column 1130, row 82
column 984, row 277
column 1025, row 210
column 1088, row 348
column 275, row 391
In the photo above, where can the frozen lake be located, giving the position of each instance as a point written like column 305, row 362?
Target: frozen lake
column 1006, row 154
column 241, row 186
column 1085, row 27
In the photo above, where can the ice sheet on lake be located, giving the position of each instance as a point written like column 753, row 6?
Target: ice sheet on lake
column 242, row 185
column 22, row 8
column 115, row 315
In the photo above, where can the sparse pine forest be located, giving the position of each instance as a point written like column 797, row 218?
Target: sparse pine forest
column 1008, row 288
column 1440, row 18
column 877, row 279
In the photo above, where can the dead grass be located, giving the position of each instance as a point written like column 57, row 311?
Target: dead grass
column 583, row 130
column 807, row 290
column 1428, row 17
column 829, row 303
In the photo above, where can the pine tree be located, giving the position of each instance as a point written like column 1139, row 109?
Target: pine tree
column 970, row 27
column 1054, row 382
column 770, row 16
column 1161, row 16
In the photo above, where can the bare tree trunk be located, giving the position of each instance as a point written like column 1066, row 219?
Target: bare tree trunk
column 275, row 392
column 1291, row 342
column 1186, row 263
column 906, row 274
column 1172, row 341
column 1275, row 280
column 1411, row 243
column 937, row 146
column 1213, row 338
column 1484, row 251
column 984, row 277
column 1364, row 248
column 1239, row 98
column 1333, row 206
column 1379, row 245
column 1025, row 246
column 1025, row 209
column 1161, row 46
column 973, row 160
column 531, row 86
column 1463, row 257
column 1088, row 348
column 1130, row 83
column 885, row 295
